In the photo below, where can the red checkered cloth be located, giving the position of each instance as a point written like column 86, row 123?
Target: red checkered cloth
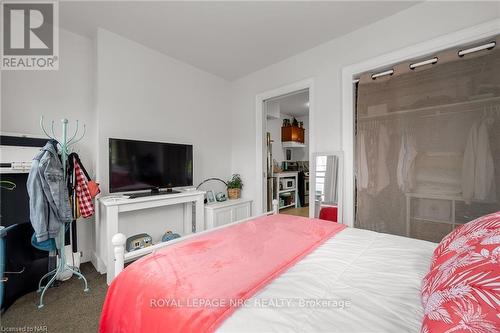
column 82, row 192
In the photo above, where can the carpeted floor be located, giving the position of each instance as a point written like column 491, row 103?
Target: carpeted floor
column 66, row 308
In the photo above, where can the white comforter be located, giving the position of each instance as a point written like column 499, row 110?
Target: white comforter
column 375, row 278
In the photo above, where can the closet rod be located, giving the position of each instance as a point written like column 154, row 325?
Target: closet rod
column 384, row 73
column 487, row 46
column 461, row 53
column 431, row 61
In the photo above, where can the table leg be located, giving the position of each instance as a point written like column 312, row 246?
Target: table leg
column 111, row 230
column 188, row 218
column 200, row 214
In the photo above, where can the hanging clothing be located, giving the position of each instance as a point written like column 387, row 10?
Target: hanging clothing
column 362, row 176
column 78, row 187
column 406, row 161
column 373, row 149
column 478, row 170
column 48, row 194
column 85, row 203
column 382, row 172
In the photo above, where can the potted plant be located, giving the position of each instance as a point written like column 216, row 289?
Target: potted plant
column 234, row 186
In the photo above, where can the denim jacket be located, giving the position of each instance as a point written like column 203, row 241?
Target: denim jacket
column 49, row 199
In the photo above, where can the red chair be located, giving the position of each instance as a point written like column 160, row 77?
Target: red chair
column 328, row 213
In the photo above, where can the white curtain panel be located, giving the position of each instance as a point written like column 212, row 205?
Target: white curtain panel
column 428, row 140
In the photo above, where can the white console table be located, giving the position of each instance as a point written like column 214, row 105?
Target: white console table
column 112, row 206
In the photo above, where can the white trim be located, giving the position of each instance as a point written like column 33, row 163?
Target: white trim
column 350, row 72
column 24, row 135
column 259, row 135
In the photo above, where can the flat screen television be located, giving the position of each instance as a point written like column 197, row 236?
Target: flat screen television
column 141, row 165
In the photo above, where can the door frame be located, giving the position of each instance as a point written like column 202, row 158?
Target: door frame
column 351, row 72
column 261, row 119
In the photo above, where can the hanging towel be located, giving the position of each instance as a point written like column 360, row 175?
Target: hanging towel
column 82, row 192
column 478, row 170
column 406, row 161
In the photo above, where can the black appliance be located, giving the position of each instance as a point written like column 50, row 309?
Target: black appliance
column 24, row 265
column 142, row 165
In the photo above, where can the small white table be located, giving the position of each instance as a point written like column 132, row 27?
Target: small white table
column 112, row 206
column 229, row 211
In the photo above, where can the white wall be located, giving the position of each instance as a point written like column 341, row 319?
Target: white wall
column 66, row 93
column 274, row 128
column 324, row 64
column 302, row 154
column 145, row 95
column 122, row 89
column 142, row 94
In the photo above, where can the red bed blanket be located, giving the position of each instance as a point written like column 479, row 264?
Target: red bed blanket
column 193, row 286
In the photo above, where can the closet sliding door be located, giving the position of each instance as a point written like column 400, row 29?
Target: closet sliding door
column 428, row 144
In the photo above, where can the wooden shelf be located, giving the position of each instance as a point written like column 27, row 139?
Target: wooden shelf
column 293, row 144
column 292, row 134
column 287, row 190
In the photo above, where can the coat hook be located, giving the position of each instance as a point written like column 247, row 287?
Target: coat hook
column 53, row 132
column 43, row 128
column 83, row 134
column 72, row 141
column 74, row 135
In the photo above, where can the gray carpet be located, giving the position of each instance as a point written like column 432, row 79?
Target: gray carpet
column 67, row 308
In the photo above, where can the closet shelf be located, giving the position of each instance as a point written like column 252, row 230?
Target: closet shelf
column 478, row 102
column 292, row 144
column 423, row 219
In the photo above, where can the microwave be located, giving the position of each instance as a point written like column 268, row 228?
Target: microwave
column 287, row 183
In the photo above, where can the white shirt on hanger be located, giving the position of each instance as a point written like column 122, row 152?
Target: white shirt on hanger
column 478, row 170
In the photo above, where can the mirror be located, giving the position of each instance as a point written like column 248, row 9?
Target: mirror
column 327, row 175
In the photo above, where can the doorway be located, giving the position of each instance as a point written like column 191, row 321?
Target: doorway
column 286, row 127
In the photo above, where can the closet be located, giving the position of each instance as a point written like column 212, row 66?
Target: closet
column 428, row 143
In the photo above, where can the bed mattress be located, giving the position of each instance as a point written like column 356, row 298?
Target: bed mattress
column 358, row 281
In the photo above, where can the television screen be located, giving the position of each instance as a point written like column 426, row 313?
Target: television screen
column 140, row 165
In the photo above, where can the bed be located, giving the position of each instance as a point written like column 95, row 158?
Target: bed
column 351, row 280
column 378, row 274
